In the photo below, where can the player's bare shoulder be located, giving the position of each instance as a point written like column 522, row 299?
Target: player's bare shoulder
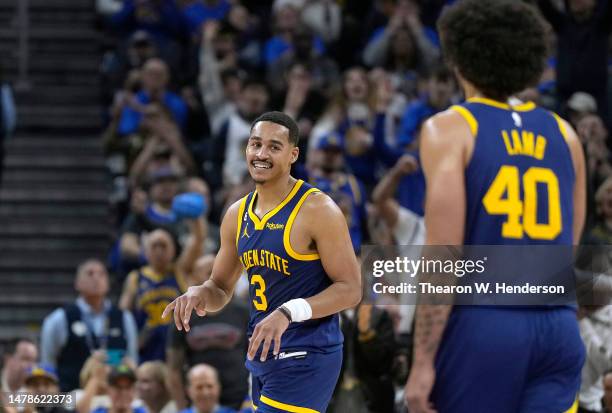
column 450, row 132
column 319, row 211
column 229, row 224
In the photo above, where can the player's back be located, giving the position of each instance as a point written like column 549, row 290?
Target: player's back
column 520, row 178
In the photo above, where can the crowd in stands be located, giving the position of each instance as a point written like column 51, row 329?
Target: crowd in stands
column 182, row 82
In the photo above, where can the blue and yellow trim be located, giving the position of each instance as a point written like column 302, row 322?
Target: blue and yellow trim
column 286, row 235
column 562, row 127
column 240, row 214
column 523, row 107
column 261, row 223
column 284, row 406
column 573, row 408
column 469, row 118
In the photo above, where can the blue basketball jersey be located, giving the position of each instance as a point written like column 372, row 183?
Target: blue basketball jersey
column 520, row 179
column 277, row 273
column 153, row 293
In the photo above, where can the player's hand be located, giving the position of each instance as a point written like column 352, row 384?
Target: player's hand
column 267, row 330
column 193, row 299
column 418, row 388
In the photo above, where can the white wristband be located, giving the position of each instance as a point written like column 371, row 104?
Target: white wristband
column 299, row 308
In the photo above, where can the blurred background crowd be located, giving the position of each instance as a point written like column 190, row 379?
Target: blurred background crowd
column 182, row 80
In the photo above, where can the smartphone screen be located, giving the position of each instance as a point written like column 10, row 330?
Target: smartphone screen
column 114, row 356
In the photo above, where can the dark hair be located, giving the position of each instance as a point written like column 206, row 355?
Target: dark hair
column 500, row 46
column 441, row 73
column 10, row 347
column 255, row 81
column 282, row 119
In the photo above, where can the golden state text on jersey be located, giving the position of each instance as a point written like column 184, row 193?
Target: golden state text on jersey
column 520, row 178
column 277, row 273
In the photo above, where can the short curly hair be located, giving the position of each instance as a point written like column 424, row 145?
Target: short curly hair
column 499, row 46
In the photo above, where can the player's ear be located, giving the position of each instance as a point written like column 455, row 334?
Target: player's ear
column 295, row 153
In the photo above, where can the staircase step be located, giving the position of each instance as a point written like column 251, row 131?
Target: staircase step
column 64, row 95
column 89, row 246
column 96, row 196
column 55, row 186
column 54, row 33
column 69, row 177
column 70, row 5
column 52, row 150
column 51, row 300
column 33, row 142
column 55, row 79
column 58, row 63
column 59, row 162
column 54, row 210
column 12, row 331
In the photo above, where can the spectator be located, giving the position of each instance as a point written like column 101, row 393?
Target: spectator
column 594, row 137
column 579, row 105
column 160, row 18
column 204, row 390
column 198, row 12
column 352, row 104
column 230, row 143
column 365, row 383
column 607, row 399
column 148, row 290
column 117, row 64
column 19, row 355
column 300, row 101
column 323, row 69
column 121, row 390
column 407, row 227
column 324, row 17
column 285, row 19
column 42, row 381
column 218, row 340
column 439, row 95
column 164, row 148
column 597, row 336
column 93, row 379
column 151, row 387
column 396, row 105
column 218, row 80
column 155, row 78
column 601, row 233
column 402, row 48
column 329, row 174
column 582, row 33
column 70, row 334
column 157, row 213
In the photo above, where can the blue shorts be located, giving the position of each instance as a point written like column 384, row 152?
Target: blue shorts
column 508, row 361
column 303, row 381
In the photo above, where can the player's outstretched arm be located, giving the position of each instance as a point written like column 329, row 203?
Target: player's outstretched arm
column 445, row 144
column 214, row 293
column 329, row 231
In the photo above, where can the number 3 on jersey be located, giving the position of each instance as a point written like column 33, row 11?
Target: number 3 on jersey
column 507, row 182
column 259, row 301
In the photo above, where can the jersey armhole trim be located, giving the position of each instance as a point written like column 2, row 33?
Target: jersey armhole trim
column 240, row 214
column 561, row 125
column 287, row 233
column 469, row 118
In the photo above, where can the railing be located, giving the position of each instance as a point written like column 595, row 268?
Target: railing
column 23, row 45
